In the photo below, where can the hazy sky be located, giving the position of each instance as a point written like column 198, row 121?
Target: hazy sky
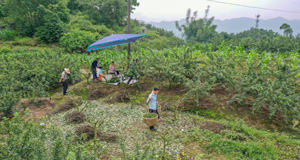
column 168, row 10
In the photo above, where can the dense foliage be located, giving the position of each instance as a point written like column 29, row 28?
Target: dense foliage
column 7, row 35
column 78, row 40
column 52, row 20
column 30, row 74
column 109, row 12
column 262, row 40
column 264, row 80
column 27, row 17
column 29, row 140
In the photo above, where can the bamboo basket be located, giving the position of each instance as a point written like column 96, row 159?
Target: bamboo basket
column 151, row 121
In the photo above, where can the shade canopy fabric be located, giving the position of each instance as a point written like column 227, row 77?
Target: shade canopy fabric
column 114, row 40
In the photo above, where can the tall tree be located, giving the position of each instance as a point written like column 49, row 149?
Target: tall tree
column 107, row 12
column 287, row 30
column 197, row 30
column 53, row 27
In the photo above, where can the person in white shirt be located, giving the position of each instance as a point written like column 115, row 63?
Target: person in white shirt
column 64, row 80
column 98, row 71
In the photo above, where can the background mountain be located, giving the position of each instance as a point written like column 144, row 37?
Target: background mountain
column 237, row 25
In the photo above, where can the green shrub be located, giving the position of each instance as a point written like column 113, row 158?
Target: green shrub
column 235, row 145
column 52, row 31
column 78, row 40
column 7, row 35
column 29, row 140
column 5, row 50
column 82, row 22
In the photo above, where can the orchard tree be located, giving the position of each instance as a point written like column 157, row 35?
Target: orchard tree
column 53, row 25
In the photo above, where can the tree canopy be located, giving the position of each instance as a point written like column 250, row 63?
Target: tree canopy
column 197, row 29
column 27, row 16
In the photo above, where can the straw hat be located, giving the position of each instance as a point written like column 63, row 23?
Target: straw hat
column 67, row 70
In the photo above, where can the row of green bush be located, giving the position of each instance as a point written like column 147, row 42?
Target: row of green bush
column 31, row 74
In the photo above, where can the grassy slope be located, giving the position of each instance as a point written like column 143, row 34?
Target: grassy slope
column 209, row 134
column 27, row 44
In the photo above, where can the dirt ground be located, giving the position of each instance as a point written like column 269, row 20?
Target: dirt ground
column 89, row 131
column 213, row 126
column 67, row 105
column 75, row 117
column 39, row 107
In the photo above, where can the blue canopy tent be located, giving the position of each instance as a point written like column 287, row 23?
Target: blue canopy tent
column 114, row 40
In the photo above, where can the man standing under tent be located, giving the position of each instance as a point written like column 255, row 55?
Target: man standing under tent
column 94, row 67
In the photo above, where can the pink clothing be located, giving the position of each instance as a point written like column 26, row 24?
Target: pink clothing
column 112, row 68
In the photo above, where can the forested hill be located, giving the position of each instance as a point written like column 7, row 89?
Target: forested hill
column 72, row 24
column 237, row 25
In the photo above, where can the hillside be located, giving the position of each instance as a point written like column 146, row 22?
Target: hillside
column 179, row 135
column 222, row 96
column 216, row 105
column 237, row 25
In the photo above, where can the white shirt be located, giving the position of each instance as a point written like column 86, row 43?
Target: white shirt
column 64, row 76
column 98, row 72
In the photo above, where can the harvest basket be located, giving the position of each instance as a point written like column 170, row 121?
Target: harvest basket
column 151, row 121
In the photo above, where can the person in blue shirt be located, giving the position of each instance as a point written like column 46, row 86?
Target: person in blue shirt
column 94, row 67
column 153, row 102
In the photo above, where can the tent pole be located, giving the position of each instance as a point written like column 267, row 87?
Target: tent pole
column 128, row 29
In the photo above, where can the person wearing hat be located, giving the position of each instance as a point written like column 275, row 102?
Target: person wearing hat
column 64, row 80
